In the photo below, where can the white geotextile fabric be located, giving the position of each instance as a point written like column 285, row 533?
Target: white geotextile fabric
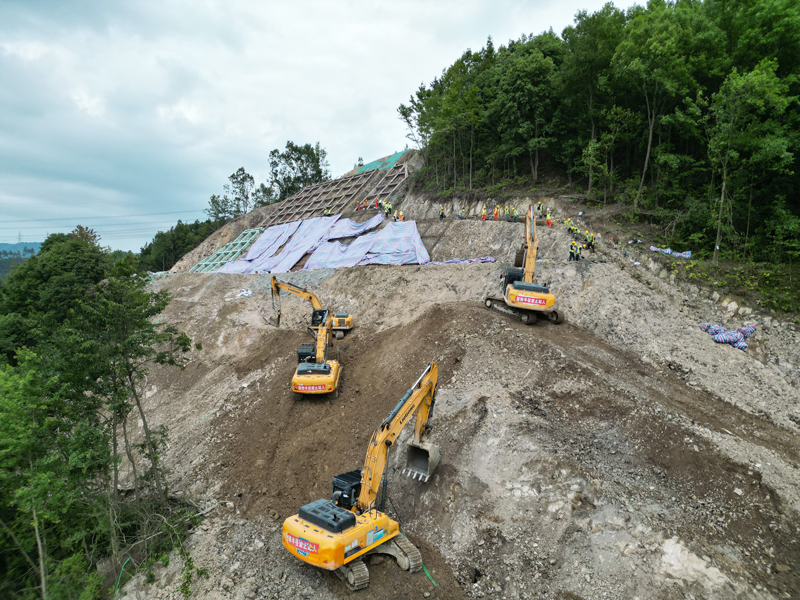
column 307, row 237
column 396, row 244
column 332, row 255
column 264, row 247
column 349, row 228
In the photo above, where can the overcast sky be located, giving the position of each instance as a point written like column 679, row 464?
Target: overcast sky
column 126, row 116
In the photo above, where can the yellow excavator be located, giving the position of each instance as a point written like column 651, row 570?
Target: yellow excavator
column 316, row 373
column 337, row 534
column 342, row 321
column 522, row 295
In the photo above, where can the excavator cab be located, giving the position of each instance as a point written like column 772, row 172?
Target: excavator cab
column 318, row 317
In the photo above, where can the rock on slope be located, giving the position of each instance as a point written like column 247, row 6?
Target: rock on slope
column 621, row 455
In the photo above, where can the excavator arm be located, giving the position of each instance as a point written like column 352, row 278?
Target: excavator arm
column 417, row 401
column 531, row 246
column 277, row 286
column 324, row 338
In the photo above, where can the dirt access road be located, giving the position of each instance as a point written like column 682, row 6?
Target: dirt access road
column 577, row 460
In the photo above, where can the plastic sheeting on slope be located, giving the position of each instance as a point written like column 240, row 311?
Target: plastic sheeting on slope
column 349, row 228
column 307, row 237
column 396, row 244
column 264, row 247
column 332, row 255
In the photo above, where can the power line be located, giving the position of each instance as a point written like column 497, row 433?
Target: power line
column 178, row 212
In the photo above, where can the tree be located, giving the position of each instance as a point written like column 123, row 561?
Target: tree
column 590, row 47
column 743, row 129
column 295, row 168
column 652, row 59
column 117, row 324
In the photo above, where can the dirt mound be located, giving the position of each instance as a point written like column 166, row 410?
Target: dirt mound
column 622, row 454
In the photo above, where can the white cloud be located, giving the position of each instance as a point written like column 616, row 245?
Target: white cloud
column 154, row 103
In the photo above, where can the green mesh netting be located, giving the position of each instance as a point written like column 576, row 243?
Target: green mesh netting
column 382, row 164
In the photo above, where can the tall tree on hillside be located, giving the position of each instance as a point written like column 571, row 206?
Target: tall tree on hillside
column 590, row 46
column 652, row 59
column 297, row 167
column 744, row 129
column 523, row 105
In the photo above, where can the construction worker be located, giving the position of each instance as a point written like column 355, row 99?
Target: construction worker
column 516, row 214
column 495, row 212
column 549, row 217
column 395, row 215
column 590, row 241
column 577, row 251
column 400, row 216
column 540, row 207
column 441, row 212
column 483, row 213
column 505, row 212
column 327, row 212
column 461, row 215
column 376, row 204
column 572, row 250
column 387, row 209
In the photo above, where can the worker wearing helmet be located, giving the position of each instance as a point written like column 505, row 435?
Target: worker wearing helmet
column 441, row 212
column 577, row 251
column 590, row 241
column 495, row 212
column 572, row 250
column 549, row 219
column 400, row 216
column 483, row 213
column 505, row 212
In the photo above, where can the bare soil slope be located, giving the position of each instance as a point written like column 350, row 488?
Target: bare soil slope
column 620, row 455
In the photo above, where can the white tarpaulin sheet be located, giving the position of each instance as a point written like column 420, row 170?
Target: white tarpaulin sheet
column 307, row 237
column 396, row 244
column 332, row 255
column 264, row 247
column 349, row 228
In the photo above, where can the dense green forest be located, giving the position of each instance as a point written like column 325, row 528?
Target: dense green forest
column 77, row 338
column 686, row 113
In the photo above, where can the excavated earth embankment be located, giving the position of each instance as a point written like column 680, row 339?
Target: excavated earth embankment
column 620, row 455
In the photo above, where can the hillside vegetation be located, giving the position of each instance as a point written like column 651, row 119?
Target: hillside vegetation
column 684, row 112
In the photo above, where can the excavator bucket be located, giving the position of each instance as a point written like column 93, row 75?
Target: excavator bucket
column 421, row 460
column 275, row 320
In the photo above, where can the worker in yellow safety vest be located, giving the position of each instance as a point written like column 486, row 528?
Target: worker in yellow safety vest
column 505, row 211
column 400, row 216
column 483, row 213
column 572, row 250
column 590, row 241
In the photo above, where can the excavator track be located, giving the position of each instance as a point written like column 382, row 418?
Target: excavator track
column 354, row 574
column 410, row 551
column 528, row 317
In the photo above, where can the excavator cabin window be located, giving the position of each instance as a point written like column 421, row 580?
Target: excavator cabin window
column 319, row 316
